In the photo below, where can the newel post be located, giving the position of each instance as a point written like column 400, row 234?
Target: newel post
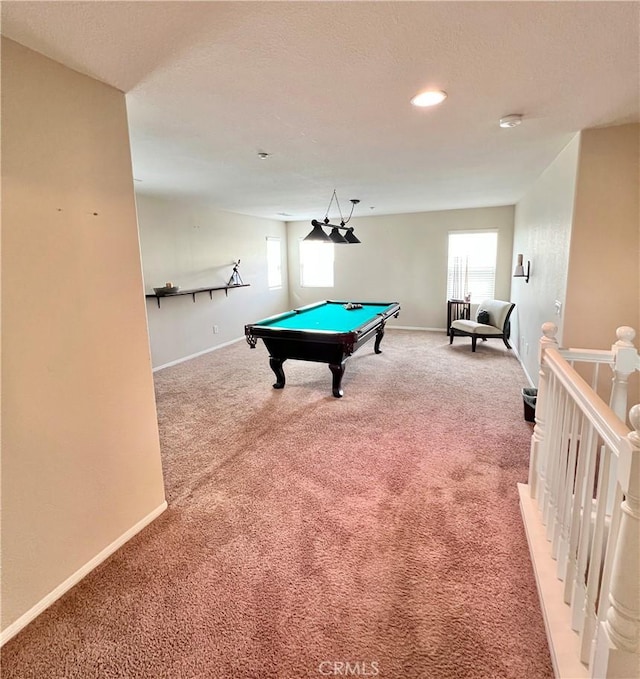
column 536, row 457
column 617, row 647
column 626, row 360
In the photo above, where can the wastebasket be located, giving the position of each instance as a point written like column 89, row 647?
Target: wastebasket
column 529, row 397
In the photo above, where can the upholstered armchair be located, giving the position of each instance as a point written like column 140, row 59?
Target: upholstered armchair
column 492, row 321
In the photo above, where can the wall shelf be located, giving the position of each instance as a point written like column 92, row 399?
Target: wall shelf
column 194, row 291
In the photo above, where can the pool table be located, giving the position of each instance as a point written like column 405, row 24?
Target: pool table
column 327, row 332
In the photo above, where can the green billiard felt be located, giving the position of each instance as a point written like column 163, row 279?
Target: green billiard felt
column 330, row 317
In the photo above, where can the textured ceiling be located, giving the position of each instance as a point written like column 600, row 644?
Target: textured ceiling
column 324, row 87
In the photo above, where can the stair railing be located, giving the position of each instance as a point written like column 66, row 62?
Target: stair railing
column 581, row 510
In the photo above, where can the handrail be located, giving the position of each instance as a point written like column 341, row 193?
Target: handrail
column 606, row 422
column 581, row 510
column 589, row 355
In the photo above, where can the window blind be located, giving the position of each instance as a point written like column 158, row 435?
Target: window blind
column 471, row 267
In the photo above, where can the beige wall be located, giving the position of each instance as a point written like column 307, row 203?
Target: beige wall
column 580, row 226
column 543, row 221
column 194, row 245
column 603, row 286
column 80, row 450
column 403, row 258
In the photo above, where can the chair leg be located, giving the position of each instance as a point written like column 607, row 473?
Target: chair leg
column 504, row 339
column 474, row 339
column 450, row 336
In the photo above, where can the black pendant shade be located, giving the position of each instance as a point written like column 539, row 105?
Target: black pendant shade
column 317, row 233
column 336, row 236
column 320, row 235
column 351, row 237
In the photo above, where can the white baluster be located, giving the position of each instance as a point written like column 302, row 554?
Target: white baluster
column 626, row 361
column 553, row 446
column 598, row 538
column 617, row 648
column 560, row 453
column 566, row 500
column 579, row 597
column 536, row 459
column 587, row 436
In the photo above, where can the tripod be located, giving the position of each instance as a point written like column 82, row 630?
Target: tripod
column 235, row 275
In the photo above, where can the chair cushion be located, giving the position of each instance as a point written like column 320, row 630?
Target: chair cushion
column 473, row 327
column 498, row 311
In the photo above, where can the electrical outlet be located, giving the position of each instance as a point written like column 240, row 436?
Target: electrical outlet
column 215, row 329
column 558, row 306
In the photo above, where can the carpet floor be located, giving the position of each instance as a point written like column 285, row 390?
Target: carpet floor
column 307, row 536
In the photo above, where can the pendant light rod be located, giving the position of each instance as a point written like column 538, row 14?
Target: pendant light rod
column 315, row 222
column 354, row 202
column 318, row 233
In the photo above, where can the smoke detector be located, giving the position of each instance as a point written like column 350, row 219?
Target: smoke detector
column 512, row 120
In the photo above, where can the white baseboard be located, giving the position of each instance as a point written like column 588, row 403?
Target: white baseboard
column 411, row 327
column 43, row 604
column 564, row 643
column 199, row 353
column 522, row 365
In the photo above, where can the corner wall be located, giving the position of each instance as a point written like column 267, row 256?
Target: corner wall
column 194, row 245
column 603, row 286
column 81, row 465
column 403, row 258
column 580, row 227
column 542, row 233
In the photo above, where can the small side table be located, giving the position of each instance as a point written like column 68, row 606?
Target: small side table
column 456, row 309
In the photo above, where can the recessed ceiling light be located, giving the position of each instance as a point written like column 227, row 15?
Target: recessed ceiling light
column 429, row 98
column 263, row 155
column 512, row 120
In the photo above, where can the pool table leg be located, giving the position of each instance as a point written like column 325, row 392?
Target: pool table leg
column 276, row 365
column 379, row 336
column 338, row 371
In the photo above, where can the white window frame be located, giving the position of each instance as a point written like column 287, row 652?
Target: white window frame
column 274, row 263
column 316, row 264
column 472, row 264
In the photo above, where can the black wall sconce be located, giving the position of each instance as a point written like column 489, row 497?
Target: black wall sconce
column 520, row 272
column 318, row 233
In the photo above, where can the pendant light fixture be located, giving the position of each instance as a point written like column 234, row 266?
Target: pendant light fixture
column 318, row 233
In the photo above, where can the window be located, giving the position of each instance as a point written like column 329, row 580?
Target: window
column 471, row 266
column 274, row 263
column 316, row 264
